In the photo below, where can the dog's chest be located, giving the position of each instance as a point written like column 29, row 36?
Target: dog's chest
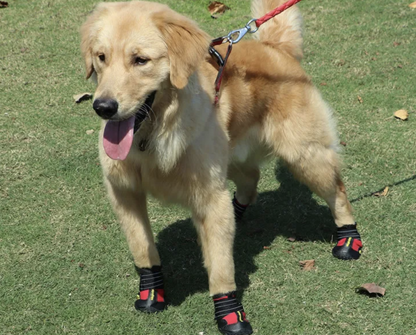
column 172, row 187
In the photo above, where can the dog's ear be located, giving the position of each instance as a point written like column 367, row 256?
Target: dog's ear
column 187, row 45
column 88, row 35
column 86, row 50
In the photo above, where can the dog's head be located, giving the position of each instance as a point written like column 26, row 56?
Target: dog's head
column 134, row 49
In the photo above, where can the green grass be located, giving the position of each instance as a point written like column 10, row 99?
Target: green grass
column 65, row 267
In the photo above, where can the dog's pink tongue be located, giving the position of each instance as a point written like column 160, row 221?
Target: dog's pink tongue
column 118, row 138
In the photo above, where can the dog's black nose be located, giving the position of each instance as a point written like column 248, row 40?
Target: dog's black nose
column 105, row 108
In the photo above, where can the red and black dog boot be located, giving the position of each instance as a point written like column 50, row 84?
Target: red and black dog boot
column 349, row 243
column 151, row 296
column 230, row 315
column 239, row 209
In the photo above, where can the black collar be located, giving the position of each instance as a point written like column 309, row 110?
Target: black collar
column 144, row 110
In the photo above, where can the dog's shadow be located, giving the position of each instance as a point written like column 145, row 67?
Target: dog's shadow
column 290, row 211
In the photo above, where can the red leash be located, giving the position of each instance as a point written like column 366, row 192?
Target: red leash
column 275, row 12
column 235, row 36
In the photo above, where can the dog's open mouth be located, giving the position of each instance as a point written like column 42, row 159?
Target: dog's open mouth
column 118, row 135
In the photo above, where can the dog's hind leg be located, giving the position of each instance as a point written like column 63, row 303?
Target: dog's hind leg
column 317, row 166
column 245, row 179
column 303, row 135
column 131, row 209
column 215, row 224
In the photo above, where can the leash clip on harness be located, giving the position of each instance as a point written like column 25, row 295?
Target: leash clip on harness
column 233, row 37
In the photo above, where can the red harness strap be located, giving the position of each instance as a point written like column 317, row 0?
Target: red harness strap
column 218, row 80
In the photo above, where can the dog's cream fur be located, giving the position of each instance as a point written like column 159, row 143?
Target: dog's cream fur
column 268, row 108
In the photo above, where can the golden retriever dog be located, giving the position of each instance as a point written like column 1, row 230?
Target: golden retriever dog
column 162, row 134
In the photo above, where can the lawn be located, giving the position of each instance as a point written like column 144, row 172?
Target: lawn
column 64, row 264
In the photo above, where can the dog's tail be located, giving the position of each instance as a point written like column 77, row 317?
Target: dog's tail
column 284, row 31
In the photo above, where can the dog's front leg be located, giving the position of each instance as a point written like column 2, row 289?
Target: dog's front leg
column 130, row 207
column 214, row 221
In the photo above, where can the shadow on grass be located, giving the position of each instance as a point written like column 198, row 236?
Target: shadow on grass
column 290, row 211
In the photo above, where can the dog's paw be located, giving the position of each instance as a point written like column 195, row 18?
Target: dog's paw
column 151, row 301
column 234, row 324
column 349, row 244
column 230, row 315
column 151, row 296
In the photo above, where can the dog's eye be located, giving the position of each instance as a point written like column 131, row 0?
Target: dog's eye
column 140, row 60
column 101, row 57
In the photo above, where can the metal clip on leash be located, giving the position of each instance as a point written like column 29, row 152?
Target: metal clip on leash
column 235, row 36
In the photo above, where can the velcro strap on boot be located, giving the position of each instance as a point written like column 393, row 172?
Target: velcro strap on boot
column 225, row 304
column 151, row 278
column 348, row 231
